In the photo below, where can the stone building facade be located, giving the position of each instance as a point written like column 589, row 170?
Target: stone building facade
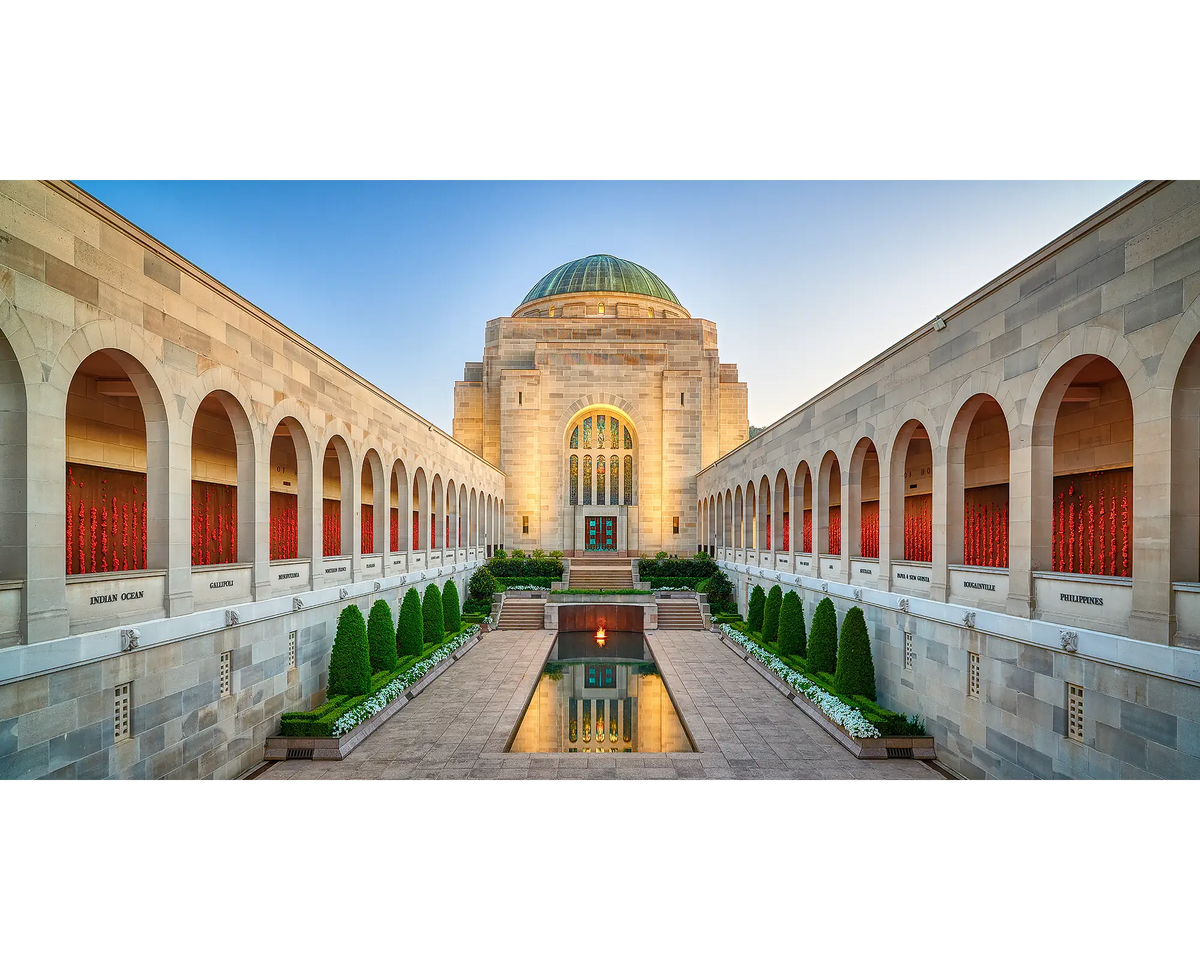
column 1012, row 493
column 190, row 494
column 600, row 340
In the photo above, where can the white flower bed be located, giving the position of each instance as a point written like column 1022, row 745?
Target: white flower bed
column 371, row 706
column 847, row 717
column 674, row 589
column 525, row 586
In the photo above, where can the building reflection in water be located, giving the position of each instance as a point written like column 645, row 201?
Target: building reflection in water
column 600, row 699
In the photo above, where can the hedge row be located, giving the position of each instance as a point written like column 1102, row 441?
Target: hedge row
column 522, row 570
column 697, row 567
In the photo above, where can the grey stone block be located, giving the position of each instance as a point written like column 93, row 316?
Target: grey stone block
column 952, row 349
column 1037, row 278
column 156, row 268
column 1083, row 309
column 1151, row 724
column 151, row 714
column 1019, row 314
column 937, row 652
column 75, row 683
column 8, row 737
column 1005, row 344
column 76, row 745
column 1123, row 746
column 1178, row 263
column 1096, row 273
column 153, row 740
column 1039, row 764
column 1159, row 305
column 1003, row 747
column 200, row 695
column 1021, row 362
column 1037, row 659
column 27, row 764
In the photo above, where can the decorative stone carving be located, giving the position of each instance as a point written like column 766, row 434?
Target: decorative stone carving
column 375, row 587
column 969, row 619
column 231, row 618
column 904, row 604
column 129, row 638
column 343, row 593
column 857, row 593
column 297, row 603
column 1069, row 640
column 824, row 586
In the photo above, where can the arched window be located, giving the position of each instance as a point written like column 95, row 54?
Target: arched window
column 609, row 480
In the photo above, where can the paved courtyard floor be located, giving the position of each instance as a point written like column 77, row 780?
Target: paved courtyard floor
column 458, row 727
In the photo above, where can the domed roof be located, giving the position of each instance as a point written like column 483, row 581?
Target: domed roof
column 600, row 273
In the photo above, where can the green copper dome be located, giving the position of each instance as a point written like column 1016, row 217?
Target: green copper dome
column 600, row 273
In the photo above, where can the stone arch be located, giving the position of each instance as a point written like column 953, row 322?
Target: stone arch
column 828, row 524
column 373, row 537
column 915, row 534
column 420, row 507
column 168, row 477
column 402, row 495
column 14, row 465
column 337, row 523
column 986, row 543
column 762, row 521
column 246, row 453
column 290, row 525
column 863, row 502
column 803, row 492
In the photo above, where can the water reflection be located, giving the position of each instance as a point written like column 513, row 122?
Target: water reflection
column 600, row 698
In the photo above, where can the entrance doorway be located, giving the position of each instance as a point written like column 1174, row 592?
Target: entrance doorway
column 600, row 533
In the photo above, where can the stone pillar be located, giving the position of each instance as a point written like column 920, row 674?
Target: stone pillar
column 886, row 493
column 45, row 594
column 939, row 577
column 261, row 574
column 1029, row 503
column 1152, row 617
column 170, row 458
column 309, row 503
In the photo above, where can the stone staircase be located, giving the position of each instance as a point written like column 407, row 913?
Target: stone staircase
column 681, row 614
column 600, row 573
column 519, row 613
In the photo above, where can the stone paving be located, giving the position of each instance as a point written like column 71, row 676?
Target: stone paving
column 459, row 726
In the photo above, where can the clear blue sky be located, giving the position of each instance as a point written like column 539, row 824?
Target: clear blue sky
column 805, row 281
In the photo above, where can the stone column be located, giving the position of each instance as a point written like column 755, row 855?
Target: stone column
column 886, row 492
column 1028, row 503
column 261, row 574
column 171, row 458
column 1152, row 618
column 45, row 557
column 939, row 577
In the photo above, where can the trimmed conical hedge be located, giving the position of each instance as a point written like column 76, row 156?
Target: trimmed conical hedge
column 855, row 666
column 381, row 637
column 433, row 615
column 482, row 585
column 770, row 630
column 451, row 614
column 822, row 642
column 792, row 642
column 754, row 613
column 349, row 661
column 410, row 632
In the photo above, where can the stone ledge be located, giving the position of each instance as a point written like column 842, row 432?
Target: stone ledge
column 864, row 748
column 338, row 748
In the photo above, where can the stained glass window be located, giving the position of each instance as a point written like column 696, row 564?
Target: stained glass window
column 574, row 479
column 628, row 440
column 587, row 434
column 628, row 476
column 613, row 467
column 575, row 439
column 600, row 432
column 587, row 481
column 615, row 430
column 600, row 479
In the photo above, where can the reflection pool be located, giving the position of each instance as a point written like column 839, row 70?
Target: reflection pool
column 600, row 695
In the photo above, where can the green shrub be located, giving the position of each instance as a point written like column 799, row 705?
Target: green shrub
column 477, row 608
column 410, row 631
column 700, row 555
column 482, row 585
column 349, row 660
column 518, row 553
column 538, row 554
column 675, row 567
column 719, row 589
column 450, row 612
column 556, row 554
column 754, row 614
column 432, row 615
column 770, row 629
column 544, row 583
column 792, row 642
column 855, row 674
column 822, row 641
column 526, row 571
column 498, row 554
column 381, row 637
column 661, row 555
